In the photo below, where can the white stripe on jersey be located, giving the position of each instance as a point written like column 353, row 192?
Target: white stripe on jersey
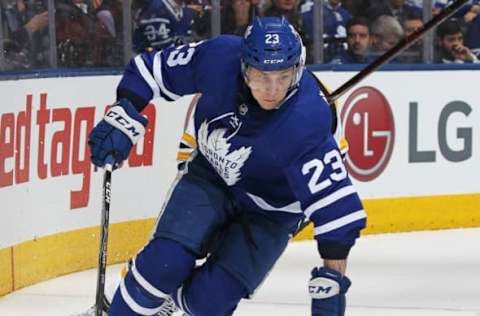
column 134, row 305
column 329, row 199
column 145, row 284
column 147, row 76
column 152, row 20
column 182, row 305
column 168, row 40
column 340, row 222
column 157, row 73
column 290, row 208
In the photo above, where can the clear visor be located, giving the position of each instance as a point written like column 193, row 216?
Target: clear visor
column 277, row 80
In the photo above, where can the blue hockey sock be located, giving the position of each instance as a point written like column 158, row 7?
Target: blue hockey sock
column 212, row 291
column 162, row 266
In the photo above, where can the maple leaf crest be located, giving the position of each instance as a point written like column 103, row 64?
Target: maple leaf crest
column 215, row 147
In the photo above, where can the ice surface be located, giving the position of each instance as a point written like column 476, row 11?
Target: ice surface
column 416, row 274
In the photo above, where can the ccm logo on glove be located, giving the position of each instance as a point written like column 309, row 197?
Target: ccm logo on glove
column 118, row 118
column 321, row 288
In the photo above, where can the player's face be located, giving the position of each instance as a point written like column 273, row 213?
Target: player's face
column 269, row 88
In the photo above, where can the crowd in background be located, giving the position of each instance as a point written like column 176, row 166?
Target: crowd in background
column 89, row 33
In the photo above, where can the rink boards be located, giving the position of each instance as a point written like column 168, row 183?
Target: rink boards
column 414, row 157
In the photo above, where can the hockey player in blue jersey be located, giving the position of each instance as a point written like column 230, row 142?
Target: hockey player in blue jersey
column 265, row 159
column 161, row 24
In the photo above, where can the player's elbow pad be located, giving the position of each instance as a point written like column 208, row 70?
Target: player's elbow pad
column 327, row 288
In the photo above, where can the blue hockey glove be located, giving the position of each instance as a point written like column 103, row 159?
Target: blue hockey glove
column 121, row 128
column 327, row 288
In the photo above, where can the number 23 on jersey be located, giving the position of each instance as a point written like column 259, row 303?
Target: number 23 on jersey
column 316, row 168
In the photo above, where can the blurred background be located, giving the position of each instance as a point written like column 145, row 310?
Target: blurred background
column 51, row 34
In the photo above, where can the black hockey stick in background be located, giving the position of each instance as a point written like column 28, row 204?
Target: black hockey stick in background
column 102, row 256
column 385, row 58
column 394, row 51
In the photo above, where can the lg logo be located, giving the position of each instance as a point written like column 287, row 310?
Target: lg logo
column 454, row 134
column 370, row 129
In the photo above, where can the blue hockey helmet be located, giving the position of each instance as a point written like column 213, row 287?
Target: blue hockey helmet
column 271, row 43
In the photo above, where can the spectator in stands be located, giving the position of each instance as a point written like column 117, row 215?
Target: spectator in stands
column 202, row 22
column 237, row 15
column 386, row 32
column 473, row 12
column 76, row 28
column 335, row 19
column 107, row 45
column 108, row 13
column 470, row 14
column 412, row 23
column 162, row 23
column 468, row 11
column 451, row 44
column 357, row 7
column 26, row 41
column 396, row 8
column 289, row 9
column 472, row 35
column 414, row 53
column 358, row 40
column 79, row 34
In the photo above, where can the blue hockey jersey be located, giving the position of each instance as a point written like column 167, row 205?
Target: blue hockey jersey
column 162, row 23
column 334, row 20
column 284, row 162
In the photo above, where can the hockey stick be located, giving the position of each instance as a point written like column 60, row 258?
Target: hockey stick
column 102, row 256
column 394, row 51
column 385, row 58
